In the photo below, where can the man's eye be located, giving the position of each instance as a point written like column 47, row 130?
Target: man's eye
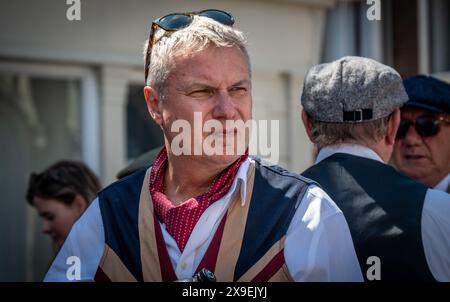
column 238, row 90
column 201, row 93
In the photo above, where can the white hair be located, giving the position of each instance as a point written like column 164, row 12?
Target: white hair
column 366, row 133
column 200, row 34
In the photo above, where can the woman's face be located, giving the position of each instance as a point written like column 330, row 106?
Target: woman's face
column 58, row 217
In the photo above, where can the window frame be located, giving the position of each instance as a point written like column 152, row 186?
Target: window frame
column 89, row 107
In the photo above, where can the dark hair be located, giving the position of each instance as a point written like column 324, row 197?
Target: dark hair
column 63, row 181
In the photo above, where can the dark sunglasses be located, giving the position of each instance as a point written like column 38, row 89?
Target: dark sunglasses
column 177, row 21
column 425, row 126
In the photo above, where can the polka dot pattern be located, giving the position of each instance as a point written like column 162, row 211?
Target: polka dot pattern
column 180, row 220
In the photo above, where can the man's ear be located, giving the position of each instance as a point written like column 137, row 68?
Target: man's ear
column 307, row 123
column 152, row 100
column 392, row 127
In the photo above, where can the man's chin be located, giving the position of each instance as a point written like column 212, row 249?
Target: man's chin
column 225, row 158
column 415, row 172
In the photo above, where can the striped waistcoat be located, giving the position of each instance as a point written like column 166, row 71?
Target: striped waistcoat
column 247, row 246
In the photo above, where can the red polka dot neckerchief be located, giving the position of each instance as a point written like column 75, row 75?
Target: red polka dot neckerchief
column 181, row 219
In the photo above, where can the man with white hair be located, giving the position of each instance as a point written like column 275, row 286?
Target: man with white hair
column 236, row 216
column 400, row 228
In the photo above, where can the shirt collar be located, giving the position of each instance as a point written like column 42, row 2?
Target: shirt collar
column 443, row 184
column 353, row 149
column 240, row 182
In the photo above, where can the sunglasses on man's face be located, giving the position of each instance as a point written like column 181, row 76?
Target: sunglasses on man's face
column 425, row 126
column 177, row 21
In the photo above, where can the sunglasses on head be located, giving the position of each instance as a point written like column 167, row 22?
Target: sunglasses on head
column 177, row 21
column 425, row 126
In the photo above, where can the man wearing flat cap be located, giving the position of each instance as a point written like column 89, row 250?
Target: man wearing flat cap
column 351, row 112
column 423, row 150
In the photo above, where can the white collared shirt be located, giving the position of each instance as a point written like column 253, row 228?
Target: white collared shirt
column 443, row 184
column 318, row 245
column 435, row 215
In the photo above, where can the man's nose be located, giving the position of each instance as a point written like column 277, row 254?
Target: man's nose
column 412, row 137
column 224, row 108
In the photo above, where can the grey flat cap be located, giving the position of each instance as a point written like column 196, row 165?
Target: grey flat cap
column 351, row 90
